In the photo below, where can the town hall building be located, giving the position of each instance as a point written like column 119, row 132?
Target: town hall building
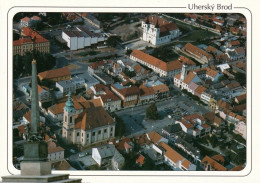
column 90, row 126
column 158, row 31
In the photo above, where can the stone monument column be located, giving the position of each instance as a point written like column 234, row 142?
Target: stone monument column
column 35, row 166
column 35, row 160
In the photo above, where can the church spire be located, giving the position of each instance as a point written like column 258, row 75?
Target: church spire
column 69, row 104
column 35, row 117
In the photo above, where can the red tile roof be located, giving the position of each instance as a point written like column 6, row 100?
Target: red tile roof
column 55, row 73
column 53, row 148
column 214, row 165
column 197, row 51
column 154, row 137
column 92, row 117
column 140, row 160
column 25, row 19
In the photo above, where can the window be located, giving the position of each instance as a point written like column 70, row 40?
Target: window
column 105, row 130
column 93, row 134
column 77, row 134
column 70, row 119
column 65, row 118
column 111, row 129
column 87, row 135
column 99, row 132
column 82, row 134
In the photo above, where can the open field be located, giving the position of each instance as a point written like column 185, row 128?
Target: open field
column 128, row 31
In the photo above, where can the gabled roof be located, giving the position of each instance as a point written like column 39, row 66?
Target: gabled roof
column 154, row 137
column 140, row 160
column 53, row 148
column 55, row 73
column 197, row 51
column 92, row 117
column 189, row 78
column 215, row 165
column 25, row 19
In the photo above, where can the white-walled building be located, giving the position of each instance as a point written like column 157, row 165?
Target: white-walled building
column 108, row 155
column 175, row 160
column 55, row 153
column 158, row 31
column 81, row 38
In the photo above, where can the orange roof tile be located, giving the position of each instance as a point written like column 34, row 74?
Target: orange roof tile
column 186, row 60
column 140, row 160
column 26, row 19
column 186, row 163
column 59, row 108
column 215, row 165
column 219, row 158
column 189, row 78
column 171, row 153
column 52, row 147
column 154, row 137
column 161, row 88
column 200, row 89
column 55, row 73
column 237, row 168
column 197, row 51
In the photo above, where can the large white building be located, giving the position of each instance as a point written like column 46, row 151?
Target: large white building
column 158, row 31
column 82, row 37
column 92, row 125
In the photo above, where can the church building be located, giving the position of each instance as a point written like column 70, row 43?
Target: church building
column 90, row 126
column 158, row 31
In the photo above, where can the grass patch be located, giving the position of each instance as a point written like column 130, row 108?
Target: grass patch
column 196, row 35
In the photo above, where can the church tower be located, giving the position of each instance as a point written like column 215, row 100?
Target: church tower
column 68, row 119
column 184, row 71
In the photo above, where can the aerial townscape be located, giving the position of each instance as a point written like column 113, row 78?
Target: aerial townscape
column 133, row 91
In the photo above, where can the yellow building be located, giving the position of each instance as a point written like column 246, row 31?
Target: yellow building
column 32, row 40
column 55, row 75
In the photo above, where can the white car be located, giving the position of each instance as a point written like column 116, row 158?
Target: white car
column 81, row 155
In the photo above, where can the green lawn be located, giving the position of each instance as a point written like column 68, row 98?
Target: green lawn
column 197, row 35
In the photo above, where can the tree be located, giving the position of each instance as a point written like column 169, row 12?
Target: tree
column 231, row 127
column 120, row 127
column 112, row 41
column 15, row 36
column 152, row 112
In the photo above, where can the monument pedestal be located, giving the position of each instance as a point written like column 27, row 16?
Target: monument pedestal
column 54, row 178
column 35, row 168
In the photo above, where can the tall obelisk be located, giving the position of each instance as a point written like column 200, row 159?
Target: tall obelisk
column 35, row 166
column 35, row 160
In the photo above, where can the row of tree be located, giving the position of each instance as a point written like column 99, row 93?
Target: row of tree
column 22, row 64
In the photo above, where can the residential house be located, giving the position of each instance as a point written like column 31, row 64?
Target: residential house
column 199, row 90
column 175, row 160
column 156, row 138
column 55, row 153
column 43, row 94
column 194, row 125
column 108, row 155
column 28, row 22
column 212, row 119
column 140, row 160
column 128, row 94
column 19, row 109
column 124, row 145
column 200, row 55
column 210, row 164
column 184, row 79
column 147, row 94
column 241, row 128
